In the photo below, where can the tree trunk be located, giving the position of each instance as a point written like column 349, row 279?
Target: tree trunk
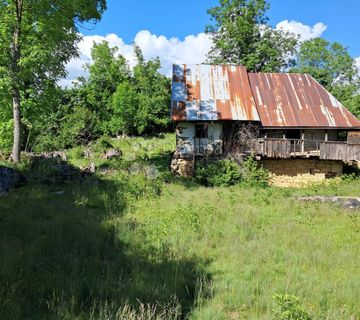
column 16, row 97
column 17, row 126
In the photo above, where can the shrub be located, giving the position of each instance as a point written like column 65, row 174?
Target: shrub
column 289, row 308
column 228, row 172
column 218, row 173
column 6, row 131
column 253, row 174
column 102, row 144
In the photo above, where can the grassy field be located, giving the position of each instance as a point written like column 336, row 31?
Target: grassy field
column 133, row 242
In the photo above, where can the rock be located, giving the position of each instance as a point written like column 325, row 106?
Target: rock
column 48, row 155
column 112, row 153
column 88, row 154
column 91, row 168
column 345, row 202
column 108, row 171
column 152, row 172
column 10, row 179
column 351, row 203
column 182, row 167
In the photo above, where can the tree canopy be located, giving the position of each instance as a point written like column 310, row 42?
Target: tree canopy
column 113, row 100
column 241, row 35
column 37, row 38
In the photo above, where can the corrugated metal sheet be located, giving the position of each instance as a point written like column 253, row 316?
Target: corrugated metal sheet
column 210, row 93
column 297, row 100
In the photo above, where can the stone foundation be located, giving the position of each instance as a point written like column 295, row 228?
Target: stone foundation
column 183, row 167
column 301, row 172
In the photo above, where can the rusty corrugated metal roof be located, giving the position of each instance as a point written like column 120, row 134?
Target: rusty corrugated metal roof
column 204, row 92
column 212, row 93
column 297, row 100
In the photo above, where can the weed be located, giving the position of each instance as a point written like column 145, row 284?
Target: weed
column 289, row 308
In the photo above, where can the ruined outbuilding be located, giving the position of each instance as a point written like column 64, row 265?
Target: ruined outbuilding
column 225, row 111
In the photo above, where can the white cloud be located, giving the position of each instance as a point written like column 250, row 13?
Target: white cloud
column 304, row 31
column 192, row 50
column 357, row 61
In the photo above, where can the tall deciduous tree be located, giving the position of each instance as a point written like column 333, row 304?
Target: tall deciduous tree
column 241, row 35
column 333, row 67
column 37, row 38
column 142, row 105
column 107, row 71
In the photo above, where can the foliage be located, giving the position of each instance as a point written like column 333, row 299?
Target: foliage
column 111, row 245
column 229, row 172
column 333, row 67
column 125, row 105
column 113, row 100
column 69, row 123
column 241, row 35
column 142, row 106
column 6, row 127
column 289, row 308
column 253, row 174
column 105, row 73
column 37, row 39
column 218, row 173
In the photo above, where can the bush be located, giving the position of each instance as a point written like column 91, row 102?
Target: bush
column 102, row 144
column 253, row 174
column 289, row 308
column 228, row 172
column 218, row 173
column 6, row 129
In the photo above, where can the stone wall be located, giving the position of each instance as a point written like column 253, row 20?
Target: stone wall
column 183, row 167
column 301, row 172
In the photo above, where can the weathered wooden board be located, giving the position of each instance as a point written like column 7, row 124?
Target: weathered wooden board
column 353, row 137
column 340, row 151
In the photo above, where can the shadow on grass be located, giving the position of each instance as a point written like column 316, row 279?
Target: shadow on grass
column 65, row 254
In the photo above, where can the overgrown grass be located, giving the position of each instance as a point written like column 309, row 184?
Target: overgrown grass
column 127, row 244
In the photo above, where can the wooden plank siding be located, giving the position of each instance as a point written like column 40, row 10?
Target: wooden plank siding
column 291, row 148
column 339, row 151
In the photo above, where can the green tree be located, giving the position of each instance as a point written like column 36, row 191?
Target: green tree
column 70, row 122
column 333, row 67
column 142, row 105
column 37, row 38
column 241, row 35
column 106, row 72
column 125, row 106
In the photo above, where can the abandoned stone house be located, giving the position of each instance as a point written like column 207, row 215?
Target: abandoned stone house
column 292, row 124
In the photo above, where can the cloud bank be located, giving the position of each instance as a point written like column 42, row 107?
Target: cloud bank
column 357, row 61
column 191, row 50
column 305, row 32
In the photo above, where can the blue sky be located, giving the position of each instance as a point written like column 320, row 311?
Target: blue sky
column 342, row 18
column 181, row 18
column 174, row 30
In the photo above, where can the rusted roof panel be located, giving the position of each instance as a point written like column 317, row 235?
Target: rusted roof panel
column 297, row 100
column 210, row 93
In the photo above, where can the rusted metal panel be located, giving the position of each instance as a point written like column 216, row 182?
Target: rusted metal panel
column 211, row 93
column 297, row 100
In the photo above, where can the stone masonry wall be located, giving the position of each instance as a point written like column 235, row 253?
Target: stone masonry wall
column 183, row 167
column 301, row 172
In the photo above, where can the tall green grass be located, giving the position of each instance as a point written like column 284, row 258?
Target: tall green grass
column 128, row 245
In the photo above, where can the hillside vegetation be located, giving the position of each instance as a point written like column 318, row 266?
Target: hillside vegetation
column 134, row 242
